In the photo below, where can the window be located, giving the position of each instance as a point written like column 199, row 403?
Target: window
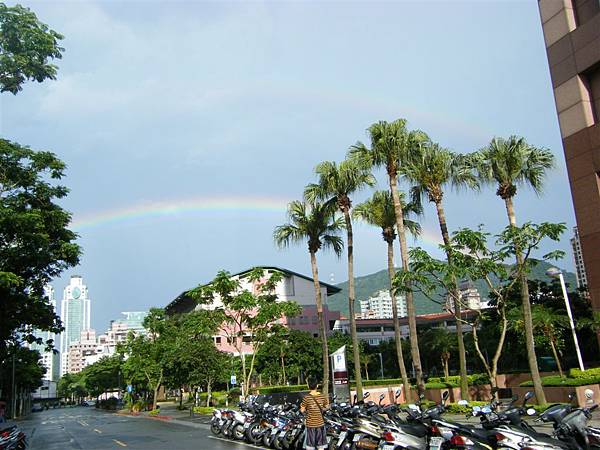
column 585, row 10
column 247, row 339
column 315, row 320
column 218, row 340
column 288, row 282
column 591, row 80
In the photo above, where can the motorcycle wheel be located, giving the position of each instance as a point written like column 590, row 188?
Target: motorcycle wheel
column 266, row 438
column 252, row 432
column 237, row 432
column 215, row 429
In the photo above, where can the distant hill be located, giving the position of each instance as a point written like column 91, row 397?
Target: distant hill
column 369, row 284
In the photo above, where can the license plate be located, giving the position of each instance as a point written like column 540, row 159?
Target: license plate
column 389, row 447
column 341, row 438
column 356, row 438
column 435, row 443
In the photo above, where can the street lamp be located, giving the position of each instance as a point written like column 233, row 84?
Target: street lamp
column 556, row 273
column 381, row 364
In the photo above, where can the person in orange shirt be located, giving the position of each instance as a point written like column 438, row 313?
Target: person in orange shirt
column 313, row 405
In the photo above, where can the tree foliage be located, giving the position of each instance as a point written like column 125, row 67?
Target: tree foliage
column 26, row 48
column 36, row 242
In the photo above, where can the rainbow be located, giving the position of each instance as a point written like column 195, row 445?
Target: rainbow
column 200, row 205
column 176, row 208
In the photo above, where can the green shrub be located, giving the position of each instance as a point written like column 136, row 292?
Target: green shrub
column 282, row 389
column 440, row 385
column 203, row 410
column 154, row 412
column 455, row 408
column 556, row 381
column 475, row 379
column 384, row 382
column 138, row 406
column 589, row 373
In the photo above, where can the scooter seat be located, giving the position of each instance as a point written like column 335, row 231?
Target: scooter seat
column 414, row 429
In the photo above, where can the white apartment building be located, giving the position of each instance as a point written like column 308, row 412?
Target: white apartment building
column 75, row 316
column 379, row 306
column 80, row 350
column 578, row 257
column 470, row 298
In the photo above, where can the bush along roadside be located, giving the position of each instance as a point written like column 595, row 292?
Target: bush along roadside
column 575, row 378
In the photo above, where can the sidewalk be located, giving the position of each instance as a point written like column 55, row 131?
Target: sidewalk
column 170, row 413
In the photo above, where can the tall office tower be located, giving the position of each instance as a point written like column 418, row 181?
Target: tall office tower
column 50, row 359
column 572, row 37
column 75, row 316
column 578, row 257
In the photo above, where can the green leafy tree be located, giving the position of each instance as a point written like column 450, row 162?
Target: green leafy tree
column 430, row 170
column 26, row 48
column 379, row 211
column 336, row 183
column 472, row 258
column 441, row 342
column 317, row 224
column 391, row 145
column 548, row 326
column 103, row 375
column 510, row 163
column 246, row 314
column 36, row 242
column 148, row 354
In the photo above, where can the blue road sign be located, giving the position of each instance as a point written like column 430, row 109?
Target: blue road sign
column 233, row 380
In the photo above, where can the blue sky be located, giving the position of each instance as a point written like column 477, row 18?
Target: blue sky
column 163, row 101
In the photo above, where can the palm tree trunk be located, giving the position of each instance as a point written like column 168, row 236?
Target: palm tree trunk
column 283, row 369
column 555, row 353
column 462, row 357
column 315, row 273
column 397, row 335
column 410, row 305
column 367, row 370
column 446, row 368
column 351, row 297
column 527, row 319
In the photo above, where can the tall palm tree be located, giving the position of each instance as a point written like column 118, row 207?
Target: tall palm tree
column 379, row 211
column 315, row 223
column 430, row 170
column 391, row 145
column 336, row 182
column 509, row 163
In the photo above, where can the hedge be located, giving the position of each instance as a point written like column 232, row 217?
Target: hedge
column 203, row 410
column 476, row 379
column 283, row 389
column 582, row 379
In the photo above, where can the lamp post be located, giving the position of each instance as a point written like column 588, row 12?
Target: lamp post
column 554, row 273
column 381, row 364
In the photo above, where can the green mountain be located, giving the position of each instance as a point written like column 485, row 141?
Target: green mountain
column 369, row 284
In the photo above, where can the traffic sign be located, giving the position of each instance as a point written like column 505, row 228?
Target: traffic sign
column 129, row 388
column 233, row 380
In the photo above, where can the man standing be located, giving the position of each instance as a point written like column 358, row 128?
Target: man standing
column 313, row 405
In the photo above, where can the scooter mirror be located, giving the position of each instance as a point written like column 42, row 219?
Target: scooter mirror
column 382, row 396
column 366, row 395
column 398, row 393
column 530, row 412
column 528, row 395
column 463, row 403
column 445, row 395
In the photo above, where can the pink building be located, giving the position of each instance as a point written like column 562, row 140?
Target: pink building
column 293, row 287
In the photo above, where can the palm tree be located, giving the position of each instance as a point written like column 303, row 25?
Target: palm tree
column 365, row 360
column 317, row 224
column 430, row 170
column 509, row 163
column 379, row 211
column 549, row 323
column 391, row 145
column 441, row 341
column 336, row 184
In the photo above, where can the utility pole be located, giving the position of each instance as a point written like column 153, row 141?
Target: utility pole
column 13, row 400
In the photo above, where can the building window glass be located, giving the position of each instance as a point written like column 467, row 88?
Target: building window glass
column 289, row 286
column 591, row 80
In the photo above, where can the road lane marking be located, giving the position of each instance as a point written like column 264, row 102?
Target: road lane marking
column 97, row 431
column 120, row 443
column 237, row 442
column 82, row 423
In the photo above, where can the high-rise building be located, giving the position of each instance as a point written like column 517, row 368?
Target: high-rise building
column 80, row 350
column 75, row 316
column 572, row 37
column 50, row 359
column 379, row 306
column 469, row 296
column 578, row 257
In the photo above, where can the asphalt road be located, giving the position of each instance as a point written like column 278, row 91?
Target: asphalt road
column 89, row 429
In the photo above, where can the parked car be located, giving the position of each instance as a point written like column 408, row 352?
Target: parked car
column 37, row 407
column 88, row 403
